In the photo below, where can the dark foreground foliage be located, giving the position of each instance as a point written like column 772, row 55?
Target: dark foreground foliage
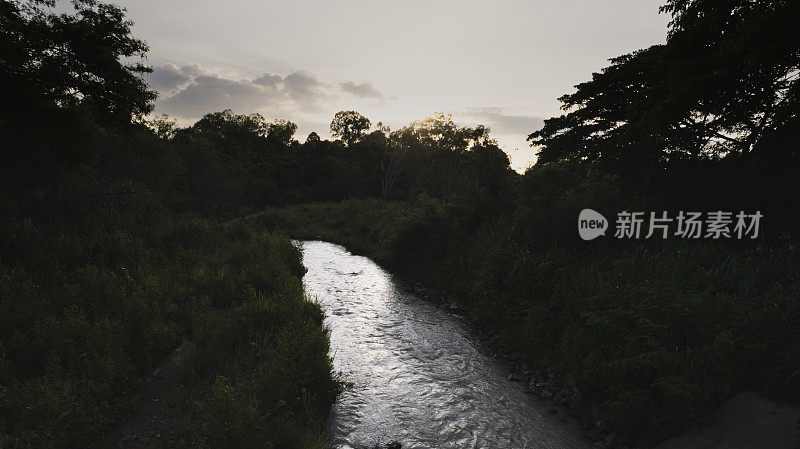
column 82, row 316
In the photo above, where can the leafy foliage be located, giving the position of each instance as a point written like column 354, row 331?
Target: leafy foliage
column 56, row 60
column 724, row 83
column 349, row 125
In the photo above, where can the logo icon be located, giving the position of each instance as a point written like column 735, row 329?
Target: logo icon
column 591, row 224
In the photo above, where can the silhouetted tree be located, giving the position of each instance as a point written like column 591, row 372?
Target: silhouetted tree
column 725, row 79
column 164, row 126
column 60, row 60
column 349, row 126
column 439, row 131
column 281, row 132
column 312, row 137
column 62, row 74
column 232, row 133
column 434, row 153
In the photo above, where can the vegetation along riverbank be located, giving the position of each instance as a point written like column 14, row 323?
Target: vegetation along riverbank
column 629, row 331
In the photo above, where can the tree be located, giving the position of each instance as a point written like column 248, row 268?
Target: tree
column 747, row 57
column 349, row 126
column 164, row 126
column 281, row 132
column 313, row 137
column 604, row 115
column 62, row 74
column 435, row 150
column 439, row 131
column 391, row 166
column 725, row 80
column 50, row 59
column 232, row 133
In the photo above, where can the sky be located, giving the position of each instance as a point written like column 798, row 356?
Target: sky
column 501, row 63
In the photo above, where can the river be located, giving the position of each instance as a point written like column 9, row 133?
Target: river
column 419, row 374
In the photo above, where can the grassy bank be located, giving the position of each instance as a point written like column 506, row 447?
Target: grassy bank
column 88, row 310
column 364, row 226
column 652, row 336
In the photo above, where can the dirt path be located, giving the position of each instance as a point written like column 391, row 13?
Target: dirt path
column 745, row 421
column 155, row 412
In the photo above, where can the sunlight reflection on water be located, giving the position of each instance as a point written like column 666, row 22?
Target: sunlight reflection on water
column 419, row 375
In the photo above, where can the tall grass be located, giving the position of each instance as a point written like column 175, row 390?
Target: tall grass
column 83, row 315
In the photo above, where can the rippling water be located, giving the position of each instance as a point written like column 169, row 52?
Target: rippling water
column 419, row 375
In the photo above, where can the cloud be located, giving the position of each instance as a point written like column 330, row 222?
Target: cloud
column 192, row 69
column 209, row 93
column 363, row 90
column 190, row 91
column 167, row 78
column 304, row 88
column 503, row 123
column 268, row 80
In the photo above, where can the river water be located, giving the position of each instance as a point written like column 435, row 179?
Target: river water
column 419, row 375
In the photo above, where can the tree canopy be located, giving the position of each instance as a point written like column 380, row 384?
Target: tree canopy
column 439, row 131
column 65, row 59
column 723, row 83
column 349, row 126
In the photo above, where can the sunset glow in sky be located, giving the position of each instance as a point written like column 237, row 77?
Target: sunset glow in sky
column 502, row 64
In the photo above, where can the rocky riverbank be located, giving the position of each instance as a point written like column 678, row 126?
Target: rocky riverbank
column 543, row 382
column 746, row 421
